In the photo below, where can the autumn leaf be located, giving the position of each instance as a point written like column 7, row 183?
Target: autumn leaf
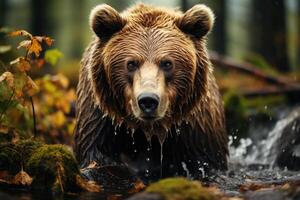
column 89, row 186
column 31, row 87
column 22, row 64
column 9, row 78
column 58, row 119
column 20, row 33
column 25, row 44
column 4, row 129
column 39, row 62
column 48, row 41
column 22, row 178
column 35, row 47
column 138, row 186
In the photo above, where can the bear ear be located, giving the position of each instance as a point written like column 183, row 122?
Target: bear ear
column 197, row 21
column 105, row 21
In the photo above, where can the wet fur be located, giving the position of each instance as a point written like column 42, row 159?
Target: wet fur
column 104, row 120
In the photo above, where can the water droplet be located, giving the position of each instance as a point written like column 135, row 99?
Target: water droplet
column 266, row 107
column 148, row 159
column 134, row 150
column 115, row 132
column 133, row 143
column 177, row 131
column 148, row 149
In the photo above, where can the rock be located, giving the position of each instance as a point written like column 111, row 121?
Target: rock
column 288, row 145
column 53, row 167
column 178, row 188
column 147, row 196
column 265, row 195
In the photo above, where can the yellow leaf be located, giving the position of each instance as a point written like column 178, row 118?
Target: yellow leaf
column 31, row 87
column 58, row 119
column 35, row 47
column 60, row 80
column 71, row 127
column 20, row 32
column 9, row 78
column 63, row 104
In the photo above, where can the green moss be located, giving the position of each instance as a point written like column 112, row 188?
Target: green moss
column 181, row 189
column 53, row 167
column 13, row 156
column 236, row 115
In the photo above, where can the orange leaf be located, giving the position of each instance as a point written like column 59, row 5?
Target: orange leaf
column 9, row 78
column 89, row 186
column 138, row 186
column 20, row 32
column 22, row 178
column 48, row 41
column 35, row 47
column 22, row 64
column 40, row 63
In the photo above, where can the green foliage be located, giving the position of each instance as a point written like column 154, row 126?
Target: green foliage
column 52, row 56
column 52, row 96
column 181, row 189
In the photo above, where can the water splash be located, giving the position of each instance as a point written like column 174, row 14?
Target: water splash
column 188, row 174
column 265, row 151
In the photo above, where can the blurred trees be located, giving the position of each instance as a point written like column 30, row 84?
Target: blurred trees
column 241, row 27
column 269, row 32
column 2, row 12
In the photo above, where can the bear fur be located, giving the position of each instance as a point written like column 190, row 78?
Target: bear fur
column 189, row 137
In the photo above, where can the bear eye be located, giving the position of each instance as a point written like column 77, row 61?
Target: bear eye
column 132, row 65
column 166, row 65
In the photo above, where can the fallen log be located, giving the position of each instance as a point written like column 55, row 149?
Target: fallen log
column 246, row 68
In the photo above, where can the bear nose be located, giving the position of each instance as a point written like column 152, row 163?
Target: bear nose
column 148, row 102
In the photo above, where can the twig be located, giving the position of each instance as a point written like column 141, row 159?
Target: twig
column 34, row 117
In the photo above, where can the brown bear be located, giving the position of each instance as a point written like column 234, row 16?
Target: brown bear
column 147, row 97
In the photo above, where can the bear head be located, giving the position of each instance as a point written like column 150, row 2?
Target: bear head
column 149, row 65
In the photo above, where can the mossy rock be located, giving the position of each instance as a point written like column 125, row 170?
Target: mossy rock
column 182, row 189
column 13, row 156
column 53, row 167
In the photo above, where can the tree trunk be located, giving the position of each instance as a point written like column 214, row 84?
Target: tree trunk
column 3, row 7
column 219, row 30
column 269, row 32
column 39, row 17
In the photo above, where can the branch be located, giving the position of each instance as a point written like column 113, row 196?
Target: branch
column 246, row 68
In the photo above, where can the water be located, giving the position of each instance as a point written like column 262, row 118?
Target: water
column 251, row 161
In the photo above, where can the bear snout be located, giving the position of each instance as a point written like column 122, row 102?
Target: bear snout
column 148, row 103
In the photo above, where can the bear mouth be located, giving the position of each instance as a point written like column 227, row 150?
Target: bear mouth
column 148, row 118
